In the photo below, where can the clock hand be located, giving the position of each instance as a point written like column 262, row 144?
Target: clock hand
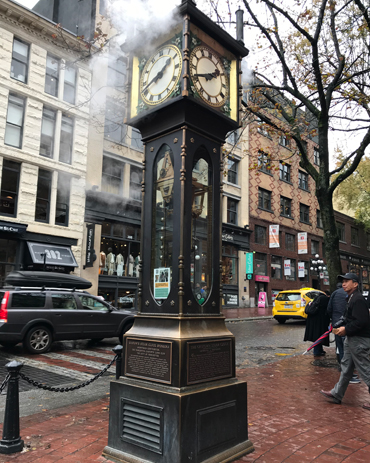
column 159, row 75
column 207, row 76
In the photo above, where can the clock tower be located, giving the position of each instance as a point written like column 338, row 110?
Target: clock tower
column 178, row 399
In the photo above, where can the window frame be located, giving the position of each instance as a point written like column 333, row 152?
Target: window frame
column 51, row 76
column 319, row 219
column 280, row 259
column 232, row 171
column 135, row 186
column 293, row 269
column 341, row 231
column 264, row 164
column 284, row 141
column 111, row 110
column 25, row 62
column 262, row 194
column 109, row 180
column 303, row 180
column 66, row 121
column 62, row 181
column 48, row 177
column 46, row 118
column 70, row 85
column 355, row 237
column 260, row 232
column 284, row 203
column 304, row 213
column 11, row 124
column 114, row 72
column 232, row 212
column 285, row 172
column 316, row 156
column 315, row 250
column 9, row 165
column 290, row 241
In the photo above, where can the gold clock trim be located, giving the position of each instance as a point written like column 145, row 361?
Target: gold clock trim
column 148, row 81
column 201, row 79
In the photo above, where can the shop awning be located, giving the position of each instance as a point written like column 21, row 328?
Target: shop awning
column 12, row 227
column 51, row 254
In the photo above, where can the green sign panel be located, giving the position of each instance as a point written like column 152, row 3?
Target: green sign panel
column 249, row 264
column 249, row 276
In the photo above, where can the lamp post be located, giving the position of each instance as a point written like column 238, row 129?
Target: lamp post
column 317, row 266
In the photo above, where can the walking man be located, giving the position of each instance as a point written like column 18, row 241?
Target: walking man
column 357, row 343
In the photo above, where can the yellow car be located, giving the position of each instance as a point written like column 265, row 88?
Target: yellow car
column 291, row 304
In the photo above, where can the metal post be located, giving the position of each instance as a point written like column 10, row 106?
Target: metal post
column 118, row 350
column 11, row 441
column 239, row 25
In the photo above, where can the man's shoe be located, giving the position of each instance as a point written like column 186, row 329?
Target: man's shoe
column 354, row 380
column 329, row 395
column 366, row 406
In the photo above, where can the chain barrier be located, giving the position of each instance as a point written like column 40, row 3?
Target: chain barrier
column 67, row 389
column 5, row 382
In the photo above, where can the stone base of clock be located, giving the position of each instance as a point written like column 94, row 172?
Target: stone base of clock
column 151, row 423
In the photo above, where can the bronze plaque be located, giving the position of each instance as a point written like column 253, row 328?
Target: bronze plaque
column 209, row 360
column 151, row 360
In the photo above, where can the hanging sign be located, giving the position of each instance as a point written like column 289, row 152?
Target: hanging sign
column 300, row 269
column 161, row 282
column 302, row 243
column 249, row 265
column 90, row 233
column 287, row 267
column 274, row 236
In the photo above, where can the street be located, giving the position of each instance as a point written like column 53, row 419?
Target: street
column 70, row 363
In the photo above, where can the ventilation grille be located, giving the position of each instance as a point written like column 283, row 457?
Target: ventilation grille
column 142, row 426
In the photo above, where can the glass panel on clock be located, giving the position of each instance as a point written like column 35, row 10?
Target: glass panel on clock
column 201, row 230
column 162, row 225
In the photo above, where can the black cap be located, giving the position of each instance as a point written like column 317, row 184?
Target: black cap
column 350, row 276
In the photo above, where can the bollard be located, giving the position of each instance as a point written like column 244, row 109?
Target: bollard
column 11, row 441
column 118, row 351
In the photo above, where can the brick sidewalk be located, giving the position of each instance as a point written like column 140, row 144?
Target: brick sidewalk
column 289, row 421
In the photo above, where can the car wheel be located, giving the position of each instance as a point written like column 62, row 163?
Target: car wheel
column 281, row 320
column 8, row 343
column 126, row 328
column 38, row 340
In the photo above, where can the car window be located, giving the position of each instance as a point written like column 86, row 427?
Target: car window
column 91, row 303
column 28, row 300
column 64, row 301
column 288, row 297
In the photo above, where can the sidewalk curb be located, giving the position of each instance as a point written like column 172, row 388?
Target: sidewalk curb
column 265, row 317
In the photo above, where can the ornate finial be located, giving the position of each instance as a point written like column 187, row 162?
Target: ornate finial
column 189, row 302
column 175, row 140
column 172, row 303
column 147, row 303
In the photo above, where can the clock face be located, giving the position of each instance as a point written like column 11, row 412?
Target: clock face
column 160, row 75
column 209, row 76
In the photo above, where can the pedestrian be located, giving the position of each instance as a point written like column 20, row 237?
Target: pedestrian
column 317, row 323
column 356, row 329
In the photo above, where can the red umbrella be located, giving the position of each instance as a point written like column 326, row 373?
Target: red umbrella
column 318, row 341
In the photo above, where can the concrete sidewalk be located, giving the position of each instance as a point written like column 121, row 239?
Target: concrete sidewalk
column 245, row 313
column 289, row 420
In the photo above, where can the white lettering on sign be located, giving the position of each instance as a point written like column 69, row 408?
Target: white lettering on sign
column 51, row 254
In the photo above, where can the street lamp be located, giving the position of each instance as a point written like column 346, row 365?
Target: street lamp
column 317, row 266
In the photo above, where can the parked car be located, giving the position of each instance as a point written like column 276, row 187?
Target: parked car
column 39, row 316
column 291, row 304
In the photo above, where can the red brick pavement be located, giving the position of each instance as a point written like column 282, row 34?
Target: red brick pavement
column 289, row 421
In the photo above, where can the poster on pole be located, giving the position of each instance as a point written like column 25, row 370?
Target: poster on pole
column 300, row 269
column 287, row 268
column 302, row 243
column 161, row 282
column 274, row 236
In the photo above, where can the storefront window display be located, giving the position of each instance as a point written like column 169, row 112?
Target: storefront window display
column 119, row 250
column 276, row 267
column 123, row 299
column 260, row 263
column 7, row 258
column 229, row 265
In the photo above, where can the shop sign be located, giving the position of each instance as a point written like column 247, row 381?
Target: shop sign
column 227, row 237
column 302, row 243
column 231, row 299
column 161, row 282
column 287, row 267
column 262, row 278
column 12, row 228
column 90, row 234
column 274, row 236
column 262, row 298
column 42, row 253
column 249, row 264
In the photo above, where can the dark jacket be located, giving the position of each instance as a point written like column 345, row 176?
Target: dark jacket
column 357, row 316
column 317, row 324
column 337, row 305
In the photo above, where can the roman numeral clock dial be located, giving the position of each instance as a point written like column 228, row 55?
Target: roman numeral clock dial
column 160, row 75
column 208, row 75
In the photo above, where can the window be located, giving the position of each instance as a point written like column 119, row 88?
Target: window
column 229, row 273
column 284, row 171
column 19, row 67
column 9, row 187
column 14, row 121
column 232, row 211
column 264, row 199
column 303, row 180
column 314, row 247
column 70, row 79
column 289, row 242
column 304, row 213
column 62, row 205
column 64, row 301
column 47, row 133
column 264, row 162
column 293, row 271
column 341, row 231
column 136, row 175
column 285, row 206
column 114, row 128
column 260, row 235
column 28, row 300
column 112, row 176
column 233, row 138
column 354, row 237
column 260, row 263
column 232, row 171
column 318, row 219
column 136, row 142
column 284, row 141
column 91, row 303
column 306, row 273
column 43, row 196
column 117, row 72
column 316, row 156
column 276, row 267
column 66, row 140
column 262, row 128
column 52, row 75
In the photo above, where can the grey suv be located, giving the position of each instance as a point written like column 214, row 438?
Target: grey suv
column 38, row 316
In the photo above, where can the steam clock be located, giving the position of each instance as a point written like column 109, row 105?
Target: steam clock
column 178, row 399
